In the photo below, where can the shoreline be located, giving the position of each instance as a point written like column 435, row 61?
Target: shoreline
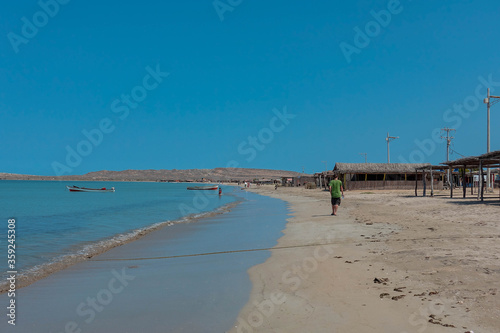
column 88, row 251
column 441, row 274
column 191, row 278
column 122, row 181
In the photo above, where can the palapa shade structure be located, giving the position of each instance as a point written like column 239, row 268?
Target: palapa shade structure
column 433, row 171
column 377, row 168
column 488, row 160
column 323, row 178
column 358, row 176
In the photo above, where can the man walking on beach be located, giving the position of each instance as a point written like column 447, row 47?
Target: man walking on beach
column 336, row 191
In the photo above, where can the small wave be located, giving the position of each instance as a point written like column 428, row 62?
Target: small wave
column 38, row 272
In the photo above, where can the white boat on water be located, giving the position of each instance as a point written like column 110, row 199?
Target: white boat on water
column 210, row 188
column 86, row 189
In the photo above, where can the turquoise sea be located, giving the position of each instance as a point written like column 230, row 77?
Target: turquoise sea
column 55, row 226
column 185, row 277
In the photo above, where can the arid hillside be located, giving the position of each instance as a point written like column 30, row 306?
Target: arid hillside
column 217, row 174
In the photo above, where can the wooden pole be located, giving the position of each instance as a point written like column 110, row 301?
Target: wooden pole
column 464, row 182
column 423, row 181
column 481, row 180
column 479, row 183
column 432, row 184
column 450, row 182
column 416, row 182
column 471, row 183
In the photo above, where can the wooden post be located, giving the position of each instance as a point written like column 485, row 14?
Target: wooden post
column 471, row 183
column 479, row 183
column 481, row 180
column 450, row 182
column 464, row 182
column 423, row 181
column 416, row 182
column 432, row 184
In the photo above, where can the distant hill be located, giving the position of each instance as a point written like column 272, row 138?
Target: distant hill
column 193, row 175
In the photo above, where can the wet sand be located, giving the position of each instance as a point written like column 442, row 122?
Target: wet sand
column 389, row 262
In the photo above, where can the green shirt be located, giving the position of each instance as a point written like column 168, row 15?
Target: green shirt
column 335, row 186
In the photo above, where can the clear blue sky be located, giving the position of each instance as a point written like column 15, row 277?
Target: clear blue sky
column 338, row 92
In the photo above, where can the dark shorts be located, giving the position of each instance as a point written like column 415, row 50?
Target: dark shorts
column 335, row 201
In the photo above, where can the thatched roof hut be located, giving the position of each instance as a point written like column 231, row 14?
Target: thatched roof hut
column 377, row 168
column 488, row 160
column 360, row 176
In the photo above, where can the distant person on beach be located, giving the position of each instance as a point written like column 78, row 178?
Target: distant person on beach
column 337, row 191
column 220, row 191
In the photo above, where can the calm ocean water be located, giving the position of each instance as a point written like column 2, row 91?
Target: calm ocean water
column 173, row 288
column 54, row 225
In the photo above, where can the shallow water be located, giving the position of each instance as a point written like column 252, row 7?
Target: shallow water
column 165, row 293
column 53, row 224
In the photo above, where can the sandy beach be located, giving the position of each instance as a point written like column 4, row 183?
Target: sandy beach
column 389, row 262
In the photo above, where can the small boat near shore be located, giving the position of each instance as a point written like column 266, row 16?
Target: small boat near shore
column 209, row 188
column 86, row 189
